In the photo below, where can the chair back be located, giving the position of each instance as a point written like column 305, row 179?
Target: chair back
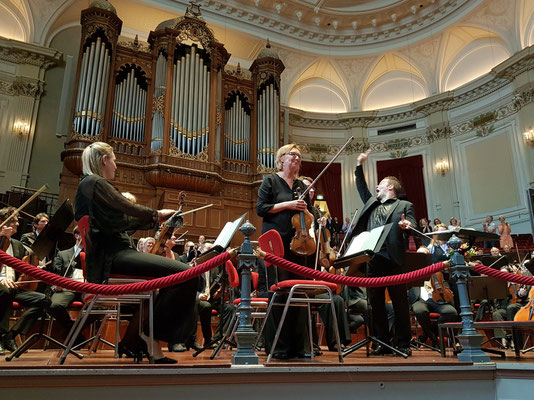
column 271, row 242
column 233, row 276
column 83, row 227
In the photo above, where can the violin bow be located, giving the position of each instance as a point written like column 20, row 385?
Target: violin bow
column 16, row 212
column 325, row 168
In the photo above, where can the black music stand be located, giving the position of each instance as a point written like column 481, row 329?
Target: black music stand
column 221, row 243
column 43, row 247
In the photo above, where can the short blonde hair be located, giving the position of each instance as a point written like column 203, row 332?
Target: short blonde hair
column 92, row 157
column 282, row 151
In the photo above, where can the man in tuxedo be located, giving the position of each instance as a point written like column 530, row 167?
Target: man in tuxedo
column 380, row 209
column 33, row 302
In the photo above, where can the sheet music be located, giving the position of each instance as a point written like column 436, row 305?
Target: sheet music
column 228, row 232
column 365, row 241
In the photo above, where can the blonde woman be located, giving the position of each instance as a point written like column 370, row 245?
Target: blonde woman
column 276, row 205
column 111, row 216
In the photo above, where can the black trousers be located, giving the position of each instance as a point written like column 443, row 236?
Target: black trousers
column 59, row 302
column 422, row 310
column 399, row 299
column 34, row 302
column 174, row 305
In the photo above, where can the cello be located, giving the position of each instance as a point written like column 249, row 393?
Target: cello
column 440, row 292
column 526, row 312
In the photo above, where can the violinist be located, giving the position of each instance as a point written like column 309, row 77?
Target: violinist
column 428, row 302
column 277, row 205
column 110, row 250
column 39, row 222
column 34, row 302
column 379, row 209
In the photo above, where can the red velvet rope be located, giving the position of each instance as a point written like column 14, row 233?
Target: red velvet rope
column 93, row 288
column 505, row 276
column 353, row 281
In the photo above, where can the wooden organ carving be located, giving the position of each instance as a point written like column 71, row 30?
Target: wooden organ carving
column 176, row 118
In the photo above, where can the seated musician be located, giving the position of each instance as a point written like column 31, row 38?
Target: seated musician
column 109, row 250
column 39, row 222
column 66, row 263
column 34, row 302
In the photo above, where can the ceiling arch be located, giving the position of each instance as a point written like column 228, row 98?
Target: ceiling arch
column 319, row 95
column 14, row 21
column 474, row 60
column 393, row 89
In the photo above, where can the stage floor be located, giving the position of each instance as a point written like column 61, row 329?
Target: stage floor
column 105, row 359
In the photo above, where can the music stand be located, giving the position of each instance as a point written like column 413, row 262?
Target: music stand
column 43, row 247
column 221, row 243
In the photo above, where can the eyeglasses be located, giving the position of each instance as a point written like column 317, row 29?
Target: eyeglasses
column 294, row 154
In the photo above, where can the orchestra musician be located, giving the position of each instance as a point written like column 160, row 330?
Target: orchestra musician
column 34, row 302
column 109, row 251
column 66, row 263
column 276, row 205
column 382, row 208
column 39, row 222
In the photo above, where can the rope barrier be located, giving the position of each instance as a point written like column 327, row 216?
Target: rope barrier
column 503, row 275
column 112, row 290
column 354, row 281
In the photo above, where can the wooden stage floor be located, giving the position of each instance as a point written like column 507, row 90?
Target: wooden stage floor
column 105, row 359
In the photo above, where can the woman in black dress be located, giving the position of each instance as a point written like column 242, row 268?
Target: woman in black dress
column 111, row 215
column 276, row 205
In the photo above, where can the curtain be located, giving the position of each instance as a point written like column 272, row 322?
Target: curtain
column 409, row 170
column 329, row 185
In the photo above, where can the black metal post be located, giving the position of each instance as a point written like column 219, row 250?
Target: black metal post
column 245, row 334
column 469, row 338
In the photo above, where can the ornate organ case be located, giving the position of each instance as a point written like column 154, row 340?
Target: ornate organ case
column 177, row 120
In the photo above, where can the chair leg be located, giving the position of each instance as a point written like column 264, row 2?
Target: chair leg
column 48, row 331
column 310, row 333
column 280, row 324
column 76, row 329
column 265, row 319
column 336, row 328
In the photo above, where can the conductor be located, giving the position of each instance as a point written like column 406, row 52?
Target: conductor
column 382, row 208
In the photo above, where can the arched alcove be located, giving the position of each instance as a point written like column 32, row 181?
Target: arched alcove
column 12, row 23
column 473, row 61
column 393, row 89
column 319, row 95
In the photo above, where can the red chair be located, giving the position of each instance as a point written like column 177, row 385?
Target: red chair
column 300, row 293
column 112, row 304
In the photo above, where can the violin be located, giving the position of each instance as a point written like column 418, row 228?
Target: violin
column 513, row 288
column 303, row 243
column 167, row 228
column 327, row 256
column 440, row 292
column 526, row 312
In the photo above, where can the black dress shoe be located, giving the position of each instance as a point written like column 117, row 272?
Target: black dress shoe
column 194, row 345
column 381, row 350
column 9, row 344
column 165, row 360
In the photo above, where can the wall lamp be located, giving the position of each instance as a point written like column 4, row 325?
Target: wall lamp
column 442, row 166
column 21, row 128
column 529, row 136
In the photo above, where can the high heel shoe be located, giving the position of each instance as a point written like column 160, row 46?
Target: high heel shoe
column 165, row 360
column 123, row 350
